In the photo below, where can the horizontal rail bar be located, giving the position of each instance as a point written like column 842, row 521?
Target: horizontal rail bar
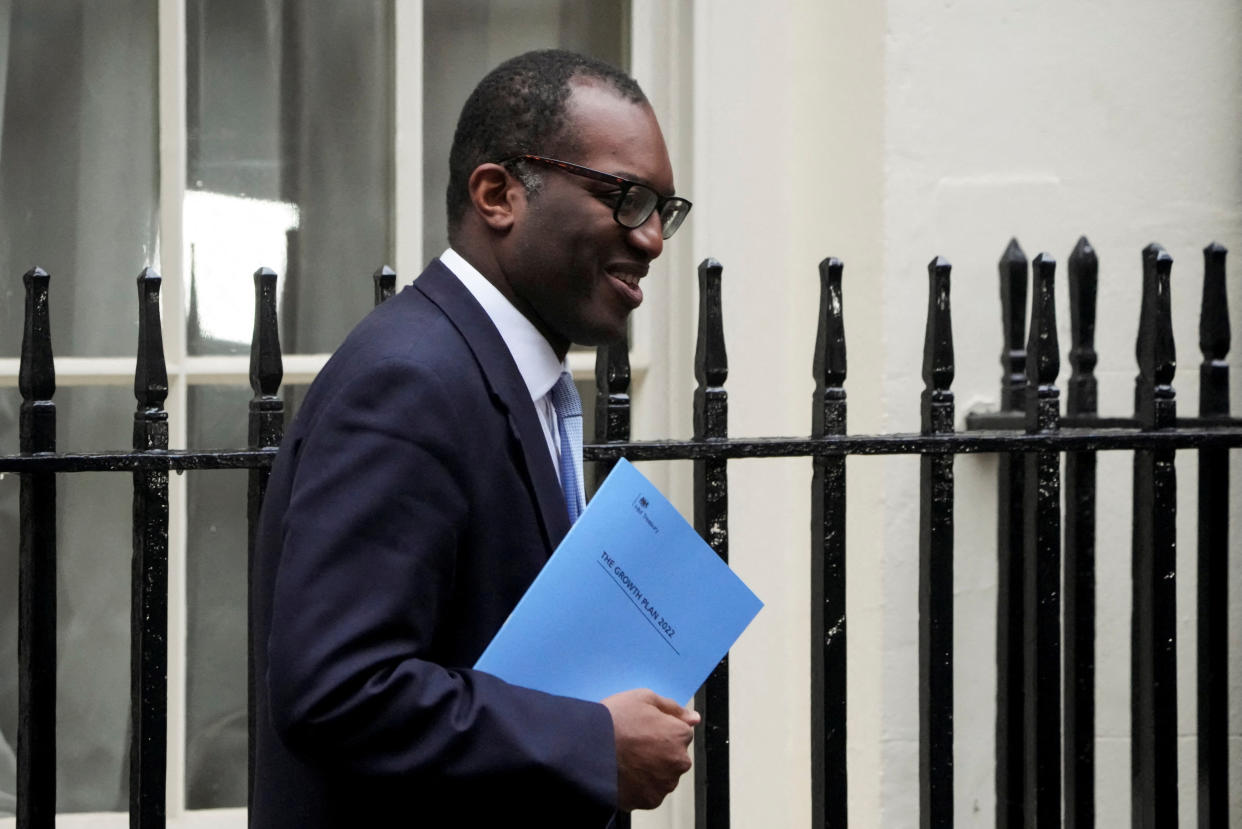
column 1017, row 420
column 960, row 443
column 171, row 460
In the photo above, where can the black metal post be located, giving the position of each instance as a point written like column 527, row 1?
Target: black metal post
column 936, row 564
column 828, row 629
column 148, row 748
column 1213, row 657
column 1010, row 735
column 1079, row 610
column 1153, row 707
column 612, row 423
column 1042, row 558
column 711, row 520
column 36, row 613
column 266, row 428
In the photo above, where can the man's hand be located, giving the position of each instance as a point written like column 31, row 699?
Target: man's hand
column 652, row 735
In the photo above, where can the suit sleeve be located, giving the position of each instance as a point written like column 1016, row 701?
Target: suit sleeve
column 369, row 544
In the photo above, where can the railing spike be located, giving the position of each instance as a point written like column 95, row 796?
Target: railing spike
column 936, row 562
column 938, row 366
column 612, row 398
column 265, row 425
column 149, row 585
column 1214, row 333
column 151, row 372
column 711, row 521
column 711, row 363
column 36, row 377
column 829, row 362
column 385, row 283
column 266, row 363
column 829, row 775
column 1153, row 619
column 1213, row 575
column 1042, row 558
column 1011, row 735
column 37, row 568
column 1078, row 610
column 1012, row 268
column 1084, row 268
column 1155, row 350
column 615, row 377
column 1043, row 348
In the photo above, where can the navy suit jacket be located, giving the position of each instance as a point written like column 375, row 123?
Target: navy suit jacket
column 411, row 504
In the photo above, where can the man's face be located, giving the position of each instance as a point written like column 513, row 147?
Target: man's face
column 572, row 268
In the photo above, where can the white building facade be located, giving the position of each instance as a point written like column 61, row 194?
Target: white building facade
column 883, row 133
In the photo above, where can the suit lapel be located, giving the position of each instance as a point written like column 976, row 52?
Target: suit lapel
column 439, row 284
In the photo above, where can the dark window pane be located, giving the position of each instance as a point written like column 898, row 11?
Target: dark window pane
column 465, row 39
column 216, row 597
column 94, row 548
column 78, row 166
column 289, row 113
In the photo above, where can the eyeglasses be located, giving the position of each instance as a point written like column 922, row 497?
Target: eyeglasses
column 635, row 202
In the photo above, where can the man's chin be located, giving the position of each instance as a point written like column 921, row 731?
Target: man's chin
column 599, row 338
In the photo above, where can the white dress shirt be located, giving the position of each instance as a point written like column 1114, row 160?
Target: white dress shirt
column 535, row 359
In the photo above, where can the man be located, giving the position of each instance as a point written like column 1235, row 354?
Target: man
column 419, row 491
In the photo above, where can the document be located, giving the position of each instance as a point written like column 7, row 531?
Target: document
column 632, row 598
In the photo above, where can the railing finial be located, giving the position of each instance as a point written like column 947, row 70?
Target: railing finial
column 1012, row 268
column 36, row 377
column 1043, row 348
column 266, row 364
column 385, row 283
column 612, row 398
column 151, row 372
column 1155, row 406
column 1214, row 334
column 829, row 364
column 829, row 361
column 938, row 366
column 1084, row 268
column 711, row 363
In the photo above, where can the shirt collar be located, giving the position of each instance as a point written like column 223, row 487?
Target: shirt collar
column 535, row 359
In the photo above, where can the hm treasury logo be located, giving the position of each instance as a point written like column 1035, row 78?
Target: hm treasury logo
column 640, row 506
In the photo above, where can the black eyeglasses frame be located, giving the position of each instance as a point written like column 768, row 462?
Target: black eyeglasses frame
column 683, row 205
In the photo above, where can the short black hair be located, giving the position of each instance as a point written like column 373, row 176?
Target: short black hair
column 519, row 107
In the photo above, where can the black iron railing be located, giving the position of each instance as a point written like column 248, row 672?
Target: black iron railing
column 1046, row 584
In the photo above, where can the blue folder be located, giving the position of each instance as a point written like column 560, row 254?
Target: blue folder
column 632, row 598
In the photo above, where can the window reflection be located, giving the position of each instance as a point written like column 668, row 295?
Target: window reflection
column 229, row 237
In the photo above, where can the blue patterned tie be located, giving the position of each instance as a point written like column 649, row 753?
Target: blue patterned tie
column 569, row 423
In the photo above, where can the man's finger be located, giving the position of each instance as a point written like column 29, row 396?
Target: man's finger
column 668, row 706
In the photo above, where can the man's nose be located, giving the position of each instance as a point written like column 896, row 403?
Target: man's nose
column 649, row 236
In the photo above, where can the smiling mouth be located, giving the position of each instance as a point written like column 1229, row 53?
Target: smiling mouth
column 628, row 278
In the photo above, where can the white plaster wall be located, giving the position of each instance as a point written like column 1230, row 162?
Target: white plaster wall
column 1047, row 120
column 788, row 170
column 885, row 134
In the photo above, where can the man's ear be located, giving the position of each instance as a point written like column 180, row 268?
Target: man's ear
column 495, row 195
